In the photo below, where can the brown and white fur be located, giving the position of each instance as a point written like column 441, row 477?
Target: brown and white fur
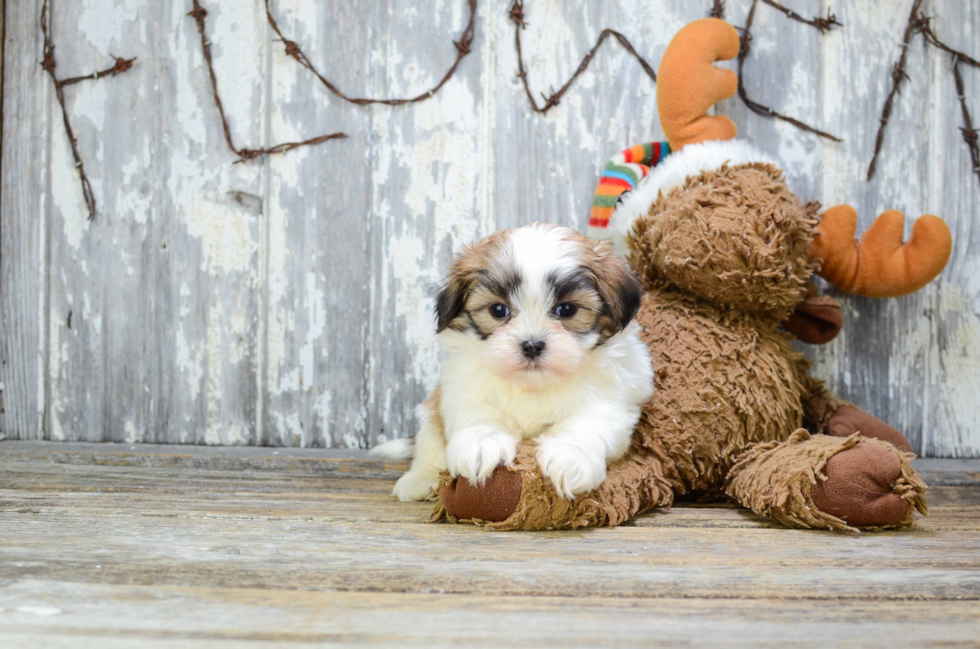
column 538, row 340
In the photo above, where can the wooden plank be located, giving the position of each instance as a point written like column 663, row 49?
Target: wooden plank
column 49, row 612
column 143, row 518
column 121, row 544
column 651, row 563
column 359, row 230
column 23, row 224
column 161, row 285
column 954, row 388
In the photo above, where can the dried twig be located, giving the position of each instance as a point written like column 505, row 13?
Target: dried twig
column 717, row 10
column 198, row 13
column 969, row 133
column 898, row 76
column 918, row 23
column 462, row 49
column 922, row 24
column 746, row 46
column 822, row 24
column 49, row 64
column 552, row 100
column 120, row 66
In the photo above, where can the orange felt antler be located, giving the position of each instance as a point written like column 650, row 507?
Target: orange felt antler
column 880, row 265
column 688, row 83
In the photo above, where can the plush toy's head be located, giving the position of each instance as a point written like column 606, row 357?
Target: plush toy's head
column 716, row 218
column 735, row 237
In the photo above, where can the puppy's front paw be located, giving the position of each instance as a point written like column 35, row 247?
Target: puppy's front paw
column 475, row 452
column 416, row 485
column 571, row 468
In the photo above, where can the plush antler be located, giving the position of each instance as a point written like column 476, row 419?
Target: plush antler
column 689, row 84
column 880, row 265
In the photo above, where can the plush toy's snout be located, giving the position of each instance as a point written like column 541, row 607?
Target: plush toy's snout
column 816, row 320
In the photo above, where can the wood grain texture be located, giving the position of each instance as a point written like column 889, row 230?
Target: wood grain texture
column 287, row 301
column 23, row 230
column 954, row 387
column 116, row 544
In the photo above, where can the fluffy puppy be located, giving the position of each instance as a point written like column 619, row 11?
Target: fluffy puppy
column 535, row 326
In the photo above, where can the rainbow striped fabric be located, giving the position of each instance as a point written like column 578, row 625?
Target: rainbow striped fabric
column 622, row 174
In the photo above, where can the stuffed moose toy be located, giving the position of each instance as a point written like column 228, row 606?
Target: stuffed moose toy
column 725, row 252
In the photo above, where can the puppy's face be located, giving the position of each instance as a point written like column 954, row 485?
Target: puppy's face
column 535, row 301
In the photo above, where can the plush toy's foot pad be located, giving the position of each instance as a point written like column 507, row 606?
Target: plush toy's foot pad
column 493, row 502
column 859, row 488
column 849, row 420
column 832, row 482
column 521, row 498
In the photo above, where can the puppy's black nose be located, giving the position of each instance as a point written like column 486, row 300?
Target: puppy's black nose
column 532, row 348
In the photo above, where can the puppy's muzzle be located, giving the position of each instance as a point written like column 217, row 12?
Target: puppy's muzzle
column 532, row 348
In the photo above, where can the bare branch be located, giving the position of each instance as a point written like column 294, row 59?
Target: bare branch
column 48, row 63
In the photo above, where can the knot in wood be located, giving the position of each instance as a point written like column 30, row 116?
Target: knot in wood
column 122, row 65
column 244, row 155
column 198, row 13
column 517, row 13
column 744, row 43
column 825, row 24
column 899, row 74
column 48, row 62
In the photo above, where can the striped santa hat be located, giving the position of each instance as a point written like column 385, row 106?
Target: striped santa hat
column 688, row 84
column 622, row 174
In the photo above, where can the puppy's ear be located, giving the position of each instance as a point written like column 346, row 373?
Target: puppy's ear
column 618, row 287
column 452, row 297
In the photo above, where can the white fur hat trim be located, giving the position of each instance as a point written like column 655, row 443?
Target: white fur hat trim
column 673, row 172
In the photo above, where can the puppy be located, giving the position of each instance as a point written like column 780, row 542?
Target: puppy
column 535, row 326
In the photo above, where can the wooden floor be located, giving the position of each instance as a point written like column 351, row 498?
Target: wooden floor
column 117, row 545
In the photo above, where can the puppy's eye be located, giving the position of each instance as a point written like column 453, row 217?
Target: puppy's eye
column 499, row 311
column 565, row 310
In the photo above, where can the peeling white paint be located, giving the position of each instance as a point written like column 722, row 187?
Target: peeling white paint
column 226, row 234
column 102, row 28
column 69, row 203
column 131, row 434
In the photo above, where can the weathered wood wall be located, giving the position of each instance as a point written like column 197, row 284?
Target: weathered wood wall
column 287, row 300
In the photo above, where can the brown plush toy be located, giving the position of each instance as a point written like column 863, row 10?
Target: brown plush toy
column 725, row 252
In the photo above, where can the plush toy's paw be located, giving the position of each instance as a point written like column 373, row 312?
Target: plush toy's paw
column 572, row 469
column 417, row 484
column 844, row 483
column 860, row 488
column 473, row 453
column 522, row 498
column 849, row 420
column 493, row 502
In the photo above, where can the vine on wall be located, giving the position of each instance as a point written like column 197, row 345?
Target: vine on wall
column 918, row 24
column 49, row 63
